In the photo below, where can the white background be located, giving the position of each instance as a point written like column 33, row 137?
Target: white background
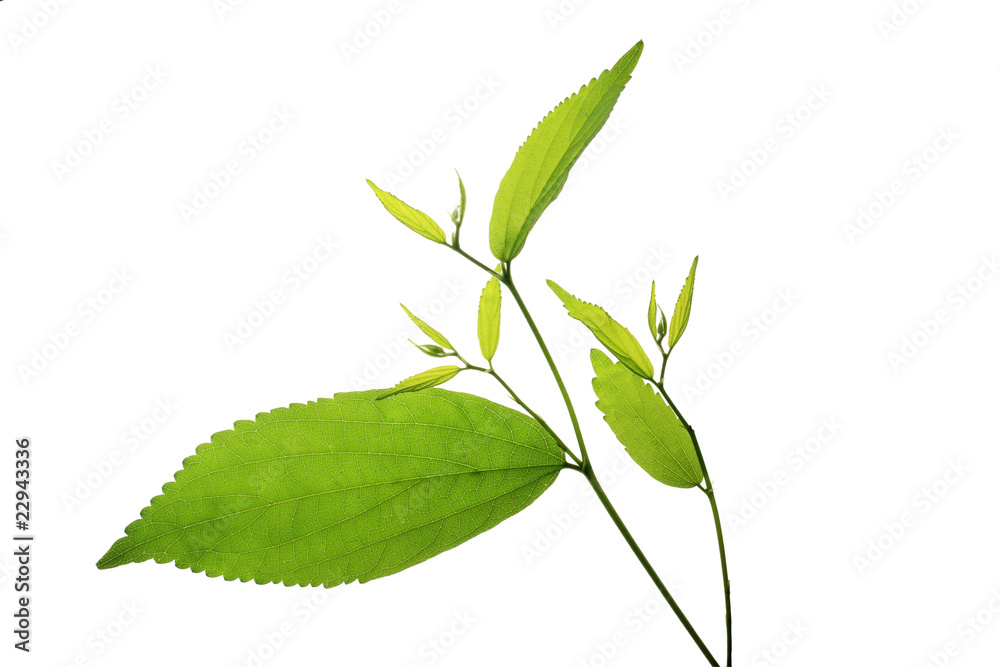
column 648, row 190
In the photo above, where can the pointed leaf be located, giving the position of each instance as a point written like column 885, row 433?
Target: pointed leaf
column 431, row 332
column 489, row 319
column 462, row 201
column 682, row 309
column 642, row 421
column 619, row 340
column 416, row 220
column 651, row 315
column 344, row 489
column 542, row 164
column 429, row 378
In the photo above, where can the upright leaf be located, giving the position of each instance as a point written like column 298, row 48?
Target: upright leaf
column 542, row 164
column 489, row 319
column 651, row 314
column 429, row 378
column 431, row 332
column 682, row 309
column 344, row 489
column 416, row 220
column 642, row 421
column 619, row 340
column 462, row 199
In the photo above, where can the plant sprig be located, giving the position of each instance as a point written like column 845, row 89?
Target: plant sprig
column 366, row 484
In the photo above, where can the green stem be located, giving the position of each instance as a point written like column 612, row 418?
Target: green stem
column 710, row 492
column 588, row 471
column 509, row 281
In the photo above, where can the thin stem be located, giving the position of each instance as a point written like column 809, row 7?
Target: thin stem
column 592, row 478
column 477, row 263
column 710, row 492
column 509, row 281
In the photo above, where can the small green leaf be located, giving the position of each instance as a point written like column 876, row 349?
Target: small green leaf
column 431, row 332
column 489, row 319
column 682, row 309
column 651, row 315
column 416, row 220
column 642, row 421
column 429, row 378
column 431, row 350
column 344, row 489
column 461, row 204
column 542, row 164
column 619, row 340
column 661, row 325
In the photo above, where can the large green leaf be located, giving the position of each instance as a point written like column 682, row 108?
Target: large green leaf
column 619, row 340
column 344, row 489
column 416, row 220
column 652, row 434
column 542, row 164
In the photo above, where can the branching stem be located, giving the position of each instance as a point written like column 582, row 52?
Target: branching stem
column 584, row 466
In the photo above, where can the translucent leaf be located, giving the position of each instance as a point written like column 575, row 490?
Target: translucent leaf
column 429, row 378
column 651, row 314
column 619, row 340
column 431, row 332
column 642, row 421
column 462, row 200
column 489, row 319
column 542, row 164
column 416, row 220
column 682, row 309
column 344, row 489
column 431, row 350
